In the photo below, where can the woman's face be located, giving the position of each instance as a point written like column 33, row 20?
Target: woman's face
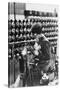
column 37, row 39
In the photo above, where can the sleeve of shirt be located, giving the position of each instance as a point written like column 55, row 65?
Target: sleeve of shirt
column 45, row 51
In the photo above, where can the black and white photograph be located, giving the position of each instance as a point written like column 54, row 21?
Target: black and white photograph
column 32, row 45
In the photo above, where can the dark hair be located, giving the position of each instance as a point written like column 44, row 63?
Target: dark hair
column 36, row 28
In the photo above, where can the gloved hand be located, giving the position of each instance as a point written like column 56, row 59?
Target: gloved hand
column 36, row 47
column 24, row 51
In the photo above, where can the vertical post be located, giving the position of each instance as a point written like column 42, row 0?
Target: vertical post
column 8, row 48
column 13, row 46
